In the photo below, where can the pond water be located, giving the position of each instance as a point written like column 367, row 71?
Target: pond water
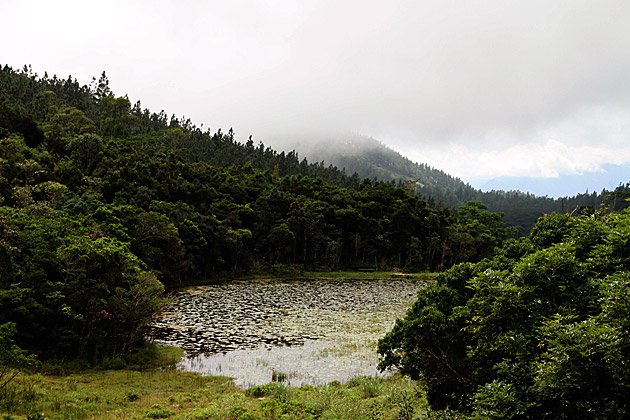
column 294, row 331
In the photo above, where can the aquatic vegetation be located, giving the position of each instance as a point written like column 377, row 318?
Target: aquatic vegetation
column 295, row 331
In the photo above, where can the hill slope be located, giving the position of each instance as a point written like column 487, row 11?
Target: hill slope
column 370, row 158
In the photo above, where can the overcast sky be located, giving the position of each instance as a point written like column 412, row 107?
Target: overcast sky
column 475, row 88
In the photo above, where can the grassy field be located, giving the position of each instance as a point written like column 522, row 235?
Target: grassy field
column 163, row 392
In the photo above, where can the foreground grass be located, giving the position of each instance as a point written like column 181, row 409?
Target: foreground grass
column 167, row 393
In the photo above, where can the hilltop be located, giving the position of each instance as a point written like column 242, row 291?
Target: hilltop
column 370, row 158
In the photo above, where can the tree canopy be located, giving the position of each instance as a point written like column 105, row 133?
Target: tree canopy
column 104, row 205
column 540, row 330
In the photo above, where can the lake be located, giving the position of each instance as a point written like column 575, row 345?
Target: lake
column 299, row 331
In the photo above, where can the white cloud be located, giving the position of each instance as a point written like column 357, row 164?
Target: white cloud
column 545, row 160
column 469, row 87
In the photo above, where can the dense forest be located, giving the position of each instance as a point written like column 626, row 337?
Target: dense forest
column 104, row 204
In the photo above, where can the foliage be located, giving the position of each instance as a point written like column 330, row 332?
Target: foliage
column 105, row 205
column 168, row 393
column 538, row 331
column 369, row 158
column 12, row 358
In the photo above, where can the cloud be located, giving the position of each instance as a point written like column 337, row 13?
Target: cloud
column 544, row 160
column 485, row 77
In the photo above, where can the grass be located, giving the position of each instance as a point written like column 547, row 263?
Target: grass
column 162, row 392
column 350, row 275
column 365, row 275
column 294, row 273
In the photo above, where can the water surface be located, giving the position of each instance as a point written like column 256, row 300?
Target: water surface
column 295, row 331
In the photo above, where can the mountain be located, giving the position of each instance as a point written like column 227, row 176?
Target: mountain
column 370, row 158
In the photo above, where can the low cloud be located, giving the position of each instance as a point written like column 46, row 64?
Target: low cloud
column 545, row 160
column 483, row 83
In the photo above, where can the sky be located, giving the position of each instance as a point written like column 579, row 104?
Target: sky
column 479, row 89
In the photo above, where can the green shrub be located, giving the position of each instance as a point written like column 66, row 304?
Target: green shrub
column 369, row 386
column 160, row 413
column 236, row 412
column 200, row 414
column 12, row 358
column 539, row 331
column 132, row 396
column 445, row 415
column 115, row 363
column 259, row 391
column 286, row 270
column 278, row 391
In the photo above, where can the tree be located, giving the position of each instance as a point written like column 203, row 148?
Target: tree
column 101, row 88
column 108, row 297
column 281, row 242
column 539, row 331
column 66, row 122
column 483, row 231
column 85, row 150
column 155, row 240
column 115, row 117
column 134, row 306
column 237, row 240
column 12, row 358
column 12, row 121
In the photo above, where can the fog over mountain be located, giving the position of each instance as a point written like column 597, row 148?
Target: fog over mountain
column 479, row 89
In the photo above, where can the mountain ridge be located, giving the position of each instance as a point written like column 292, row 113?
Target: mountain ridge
column 370, row 158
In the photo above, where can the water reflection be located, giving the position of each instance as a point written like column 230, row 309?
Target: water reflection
column 299, row 332
column 313, row 363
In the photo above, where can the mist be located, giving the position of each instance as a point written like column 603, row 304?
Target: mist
column 462, row 86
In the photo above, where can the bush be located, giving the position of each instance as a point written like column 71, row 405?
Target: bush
column 132, row 397
column 13, row 358
column 369, row 386
column 160, row 413
column 259, row 391
column 115, row 363
column 539, row 331
column 285, row 270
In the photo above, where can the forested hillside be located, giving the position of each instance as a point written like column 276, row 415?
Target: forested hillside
column 104, row 203
column 370, row 158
